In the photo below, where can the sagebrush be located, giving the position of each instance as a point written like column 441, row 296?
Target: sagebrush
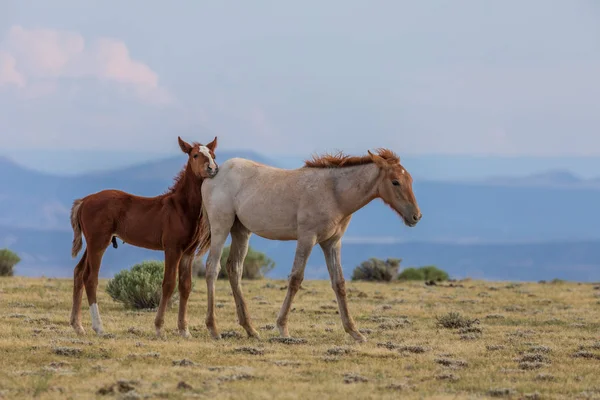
column 375, row 269
column 427, row 273
column 140, row 287
column 454, row 320
column 256, row 265
column 8, row 260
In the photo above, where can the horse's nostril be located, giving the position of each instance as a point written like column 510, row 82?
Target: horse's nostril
column 417, row 217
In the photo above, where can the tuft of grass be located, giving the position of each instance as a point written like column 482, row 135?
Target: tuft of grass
column 527, row 366
column 250, row 350
column 287, row 340
column 586, row 354
column 67, row 351
column 453, row 320
column 501, row 392
column 447, row 377
column 540, row 349
column 354, row 378
column 184, row 363
column 545, row 377
column 534, row 358
column 412, row 349
column 448, row 362
column 339, row 351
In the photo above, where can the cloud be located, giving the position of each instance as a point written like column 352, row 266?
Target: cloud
column 34, row 58
column 8, row 71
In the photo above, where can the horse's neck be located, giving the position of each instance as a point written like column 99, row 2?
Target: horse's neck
column 188, row 193
column 356, row 186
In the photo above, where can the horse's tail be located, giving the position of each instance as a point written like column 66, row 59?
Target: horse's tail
column 76, row 225
column 204, row 237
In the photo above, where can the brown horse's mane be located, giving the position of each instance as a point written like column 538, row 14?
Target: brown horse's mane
column 341, row 160
column 178, row 180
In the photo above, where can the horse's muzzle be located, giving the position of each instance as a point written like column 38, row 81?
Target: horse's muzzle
column 213, row 172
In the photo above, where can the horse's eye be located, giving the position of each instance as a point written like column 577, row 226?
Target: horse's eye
column 195, row 155
column 395, row 183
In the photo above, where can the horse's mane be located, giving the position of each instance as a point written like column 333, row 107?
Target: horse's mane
column 340, row 160
column 178, row 180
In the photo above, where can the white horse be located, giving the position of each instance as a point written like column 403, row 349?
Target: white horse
column 311, row 205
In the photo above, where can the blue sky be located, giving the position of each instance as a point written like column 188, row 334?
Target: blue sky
column 436, row 77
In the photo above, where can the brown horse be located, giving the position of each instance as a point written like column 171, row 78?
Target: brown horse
column 311, row 205
column 169, row 222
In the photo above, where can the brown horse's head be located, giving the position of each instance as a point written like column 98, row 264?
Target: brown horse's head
column 396, row 188
column 201, row 158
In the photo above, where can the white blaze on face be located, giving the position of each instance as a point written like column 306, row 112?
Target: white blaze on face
column 204, row 150
column 96, row 321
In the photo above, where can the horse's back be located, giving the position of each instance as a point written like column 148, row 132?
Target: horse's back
column 240, row 175
column 259, row 195
column 112, row 204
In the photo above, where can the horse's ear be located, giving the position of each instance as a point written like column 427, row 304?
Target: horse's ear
column 212, row 145
column 185, row 147
column 378, row 160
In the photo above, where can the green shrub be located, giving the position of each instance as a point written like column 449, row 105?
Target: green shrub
column 375, row 269
column 256, row 265
column 427, row 273
column 432, row 273
column 557, row 281
column 198, row 268
column 8, row 260
column 140, row 287
column 412, row 274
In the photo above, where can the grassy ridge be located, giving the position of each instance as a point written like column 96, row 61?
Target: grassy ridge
column 513, row 340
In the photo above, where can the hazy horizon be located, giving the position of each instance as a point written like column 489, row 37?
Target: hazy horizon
column 426, row 166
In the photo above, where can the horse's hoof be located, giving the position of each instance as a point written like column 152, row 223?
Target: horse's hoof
column 254, row 335
column 359, row 337
column 283, row 331
column 79, row 329
column 184, row 333
column 99, row 331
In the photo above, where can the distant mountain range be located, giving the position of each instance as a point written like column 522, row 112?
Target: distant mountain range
column 483, row 226
column 438, row 167
column 47, row 253
column 556, row 179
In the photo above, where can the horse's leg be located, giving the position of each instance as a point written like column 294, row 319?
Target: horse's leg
column 185, row 287
column 172, row 259
column 213, row 266
column 94, row 260
column 332, row 250
column 303, row 250
column 78, row 294
column 240, row 236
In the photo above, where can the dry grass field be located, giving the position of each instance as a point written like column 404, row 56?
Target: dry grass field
column 530, row 340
